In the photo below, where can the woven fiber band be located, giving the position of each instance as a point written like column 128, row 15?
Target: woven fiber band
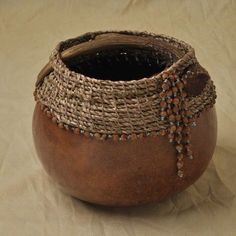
column 120, row 109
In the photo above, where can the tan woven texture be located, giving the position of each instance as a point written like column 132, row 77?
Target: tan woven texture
column 107, row 106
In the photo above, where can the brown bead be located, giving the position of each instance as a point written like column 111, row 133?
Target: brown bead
column 180, row 156
column 97, row 136
column 76, row 131
column 171, row 136
column 184, row 94
column 180, row 85
column 153, row 134
column 165, row 75
column 162, row 132
column 175, row 109
column 176, row 101
column 165, row 86
column 172, row 77
column 60, row 125
column 163, row 104
column 169, row 111
column 175, row 89
column 179, row 147
column 123, row 137
column 179, row 129
column 86, row 134
column 188, row 113
column 169, row 100
column 103, row 137
column 186, row 129
column 49, row 114
column 163, row 113
column 115, row 137
column 180, row 173
column 189, row 152
column 172, row 118
column 54, row 120
column 173, row 128
column 141, row 135
column 185, row 120
column 169, row 93
column 178, row 139
column 133, row 136
column 162, row 94
column 67, row 127
column 178, row 117
column 180, row 164
column 188, row 147
column 191, row 120
column 42, row 107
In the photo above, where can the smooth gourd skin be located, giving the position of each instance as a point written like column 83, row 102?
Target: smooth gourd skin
column 122, row 173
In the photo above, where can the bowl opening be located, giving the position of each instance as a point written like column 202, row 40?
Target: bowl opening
column 125, row 63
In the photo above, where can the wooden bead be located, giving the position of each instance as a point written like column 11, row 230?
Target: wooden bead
column 123, row 137
column 153, row 134
column 163, row 104
column 175, row 89
column 179, row 129
column 188, row 113
column 163, row 113
column 60, row 125
column 180, row 173
column 165, row 86
column 133, row 136
column 176, row 101
column 173, row 128
column 165, row 75
column 184, row 94
column 86, row 134
column 172, row 118
column 175, row 109
column 188, row 147
column 54, row 120
column 103, row 137
column 179, row 147
column 178, row 117
column 169, row 93
column 141, row 135
column 180, row 164
column 171, row 136
column 162, row 94
column 169, row 111
column 162, row 132
column 76, row 131
column 189, row 152
column 49, row 114
column 97, row 136
column 42, row 107
column 115, row 137
column 180, row 156
column 180, row 85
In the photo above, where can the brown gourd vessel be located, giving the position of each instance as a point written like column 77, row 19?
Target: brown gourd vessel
column 124, row 118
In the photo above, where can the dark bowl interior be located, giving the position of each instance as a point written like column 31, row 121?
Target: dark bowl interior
column 121, row 63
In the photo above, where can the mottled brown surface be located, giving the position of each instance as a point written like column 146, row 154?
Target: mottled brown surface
column 120, row 173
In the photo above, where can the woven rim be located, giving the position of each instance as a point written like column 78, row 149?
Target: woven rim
column 107, row 106
column 59, row 66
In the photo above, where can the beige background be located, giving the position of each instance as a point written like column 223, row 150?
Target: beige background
column 30, row 203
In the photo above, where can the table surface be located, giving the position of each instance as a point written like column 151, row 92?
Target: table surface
column 30, row 203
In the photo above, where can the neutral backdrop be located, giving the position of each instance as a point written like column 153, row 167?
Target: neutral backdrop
column 30, row 203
